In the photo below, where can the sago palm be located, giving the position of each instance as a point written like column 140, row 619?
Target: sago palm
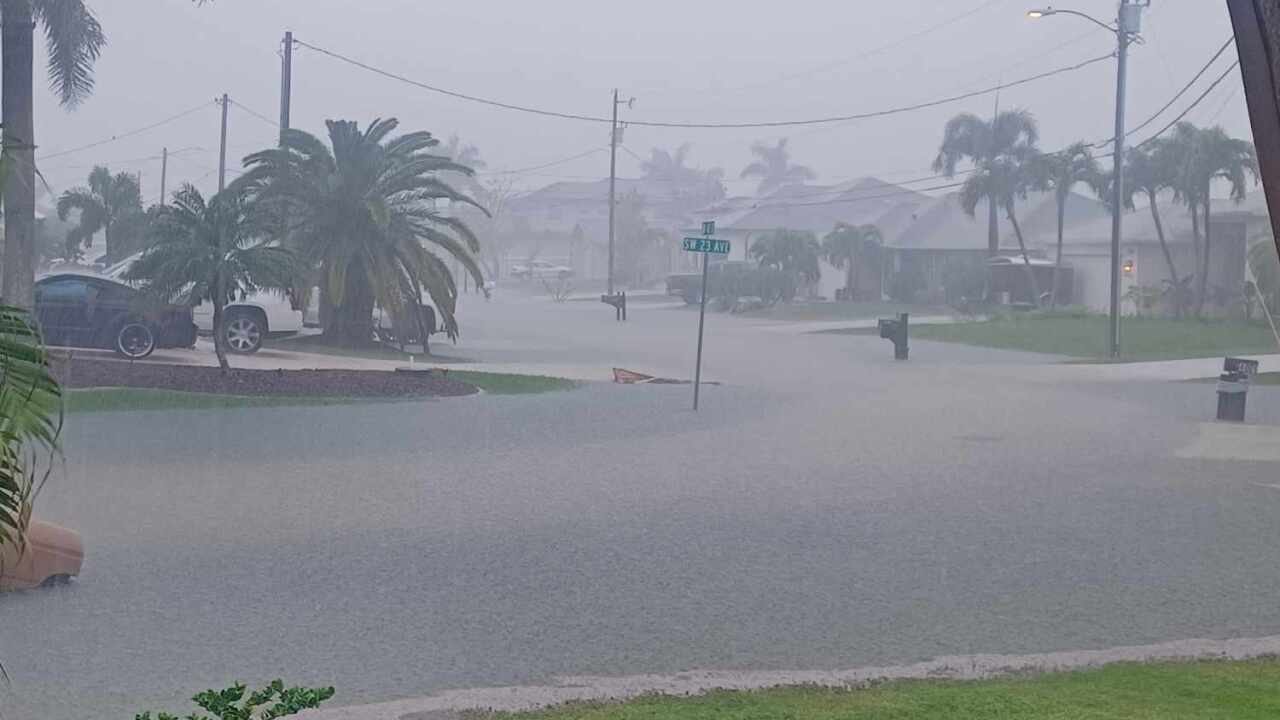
column 794, row 253
column 774, row 166
column 213, row 252
column 845, row 244
column 363, row 215
column 981, row 142
column 105, row 200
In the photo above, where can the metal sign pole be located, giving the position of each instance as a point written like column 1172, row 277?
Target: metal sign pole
column 702, row 316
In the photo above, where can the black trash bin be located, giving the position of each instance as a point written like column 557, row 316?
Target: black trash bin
column 1233, row 388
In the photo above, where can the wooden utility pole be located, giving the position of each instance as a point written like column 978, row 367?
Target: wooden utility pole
column 613, row 179
column 164, row 173
column 286, row 80
column 222, row 147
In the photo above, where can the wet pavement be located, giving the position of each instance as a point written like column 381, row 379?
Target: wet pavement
column 828, row 508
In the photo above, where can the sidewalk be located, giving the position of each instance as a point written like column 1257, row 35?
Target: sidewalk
column 1167, row 370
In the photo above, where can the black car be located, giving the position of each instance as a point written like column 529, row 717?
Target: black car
column 86, row 311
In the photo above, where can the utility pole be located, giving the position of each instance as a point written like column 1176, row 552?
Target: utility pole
column 614, row 135
column 286, row 80
column 164, row 173
column 1128, row 23
column 222, row 147
column 613, row 180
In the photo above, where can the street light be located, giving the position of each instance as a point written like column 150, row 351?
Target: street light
column 1128, row 24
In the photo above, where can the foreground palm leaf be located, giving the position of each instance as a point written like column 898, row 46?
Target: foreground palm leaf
column 30, row 420
column 212, row 252
column 362, row 214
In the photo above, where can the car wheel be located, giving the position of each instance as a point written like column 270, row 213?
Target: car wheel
column 134, row 340
column 245, row 333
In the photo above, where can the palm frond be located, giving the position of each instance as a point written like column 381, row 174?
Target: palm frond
column 75, row 40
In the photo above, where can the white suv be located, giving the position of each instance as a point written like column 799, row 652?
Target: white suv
column 249, row 322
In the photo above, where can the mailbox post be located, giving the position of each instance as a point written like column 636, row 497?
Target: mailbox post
column 896, row 332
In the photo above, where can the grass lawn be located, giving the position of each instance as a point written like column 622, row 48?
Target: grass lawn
column 505, row 384
column 312, row 344
column 1270, row 378
column 813, row 311
column 124, row 399
column 1211, row 690
column 1085, row 337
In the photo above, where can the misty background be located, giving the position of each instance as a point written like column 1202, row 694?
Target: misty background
column 682, row 61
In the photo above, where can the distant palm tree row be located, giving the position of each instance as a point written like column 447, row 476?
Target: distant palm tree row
column 1005, row 165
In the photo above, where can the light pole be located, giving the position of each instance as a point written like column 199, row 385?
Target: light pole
column 1128, row 24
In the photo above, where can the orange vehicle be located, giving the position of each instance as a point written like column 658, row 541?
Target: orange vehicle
column 52, row 554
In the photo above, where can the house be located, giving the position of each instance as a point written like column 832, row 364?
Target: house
column 1087, row 247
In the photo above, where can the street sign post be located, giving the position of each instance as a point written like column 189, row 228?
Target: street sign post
column 707, row 246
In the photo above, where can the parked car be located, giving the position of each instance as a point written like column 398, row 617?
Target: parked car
column 81, row 310
column 540, row 270
column 250, row 321
column 52, row 554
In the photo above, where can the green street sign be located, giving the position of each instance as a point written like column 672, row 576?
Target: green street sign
column 706, row 245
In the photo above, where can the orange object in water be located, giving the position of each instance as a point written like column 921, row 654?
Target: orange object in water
column 627, row 377
column 52, row 554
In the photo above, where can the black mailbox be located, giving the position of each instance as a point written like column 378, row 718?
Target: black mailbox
column 619, row 303
column 896, row 332
column 1233, row 387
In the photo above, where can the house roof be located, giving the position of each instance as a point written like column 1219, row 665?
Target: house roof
column 1139, row 226
column 941, row 224
column 817, row 208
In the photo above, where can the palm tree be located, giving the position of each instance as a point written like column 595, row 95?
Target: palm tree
column 968, row 137
column 1002, row 182
column 74, row 39
column 363, row 215
column 104, row 201
column 30, row 420
column 844, row 245
column 794, row 253
column 212, row 252
column 697, row 186
column 1150, row 171
column 1213, row 155
column 774, row 167
column 1059, row 173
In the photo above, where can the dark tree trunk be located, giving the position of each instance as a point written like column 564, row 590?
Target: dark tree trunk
column 993, row 229
column 17, row 52
column 1026, row 259
column 850, row 277
column 351, row 322
column 1201, row 296
column 1175, row 283
column 219, row 337
column 1057, row 265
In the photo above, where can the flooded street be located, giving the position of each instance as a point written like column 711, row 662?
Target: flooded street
column 827, row 509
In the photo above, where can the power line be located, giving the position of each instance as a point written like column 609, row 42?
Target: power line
column 544, row 166
column 254, row 113
column 129, row 133
column 1190, row 107
column 1182, row 91
column 708, row 125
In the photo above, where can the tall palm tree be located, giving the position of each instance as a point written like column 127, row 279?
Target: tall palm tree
column 212, row 252
column 844, row 245
column 1059, row 173
column 1150, row 171
column 1216, row 156
column 74, row 40
column 968, row 137
column 697, row 186
column 1001, row 183
column 363, row 215
column 30, row 420
column 104, row 201
column 774, row 166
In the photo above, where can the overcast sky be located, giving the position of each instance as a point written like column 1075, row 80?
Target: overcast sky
column 687, row 60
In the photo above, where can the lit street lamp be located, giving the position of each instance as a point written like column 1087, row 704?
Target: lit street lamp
column 1128, row 24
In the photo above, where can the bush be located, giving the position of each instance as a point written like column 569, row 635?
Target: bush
column 272, row 701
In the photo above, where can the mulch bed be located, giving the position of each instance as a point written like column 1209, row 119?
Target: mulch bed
column 98, row 373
